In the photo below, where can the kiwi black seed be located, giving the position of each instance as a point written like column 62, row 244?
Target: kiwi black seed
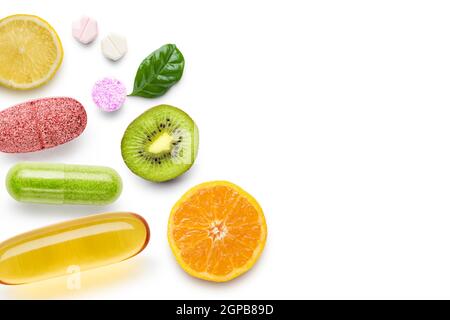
column 160, row 144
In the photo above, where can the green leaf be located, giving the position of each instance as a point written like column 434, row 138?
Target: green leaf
column 159, row 72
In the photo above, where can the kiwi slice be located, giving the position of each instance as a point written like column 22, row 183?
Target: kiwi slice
column 160, row 144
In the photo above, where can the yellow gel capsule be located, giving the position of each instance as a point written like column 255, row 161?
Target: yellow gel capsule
column 80, row 244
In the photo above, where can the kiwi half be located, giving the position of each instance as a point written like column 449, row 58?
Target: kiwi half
column 160, row 144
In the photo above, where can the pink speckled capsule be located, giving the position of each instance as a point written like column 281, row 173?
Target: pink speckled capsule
column 41, row 124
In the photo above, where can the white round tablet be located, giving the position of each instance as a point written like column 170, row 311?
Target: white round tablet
column 114, row 46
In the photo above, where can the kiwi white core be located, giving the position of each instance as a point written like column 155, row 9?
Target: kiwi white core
column 162, row 144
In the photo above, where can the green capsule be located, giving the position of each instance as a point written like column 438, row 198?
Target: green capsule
column 52, row 183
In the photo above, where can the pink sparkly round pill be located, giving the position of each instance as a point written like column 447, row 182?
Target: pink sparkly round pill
column 109, row 94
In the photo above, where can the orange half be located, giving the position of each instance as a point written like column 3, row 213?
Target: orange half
column 217, row 231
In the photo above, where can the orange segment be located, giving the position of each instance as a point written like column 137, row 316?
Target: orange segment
column 217, row 231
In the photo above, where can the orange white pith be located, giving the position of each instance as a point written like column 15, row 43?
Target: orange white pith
column 217, row 231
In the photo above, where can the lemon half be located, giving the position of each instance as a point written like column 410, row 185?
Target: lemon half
column 30, row 52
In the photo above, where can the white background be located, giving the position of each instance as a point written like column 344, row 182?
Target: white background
column 333, row 114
